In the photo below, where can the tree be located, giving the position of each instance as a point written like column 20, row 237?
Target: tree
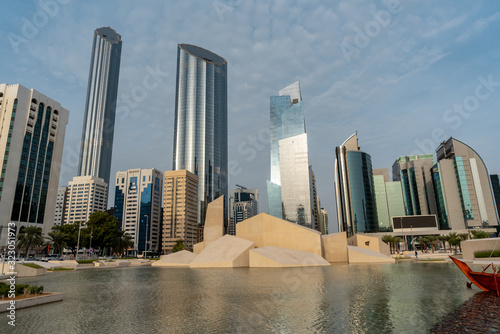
column 454, row 240
column 396, row 241
column 71, row 230
column 432, row 240
column 477, row 234
column 58, row 240
column 179, row 245
column 444, row 239
column 104, row 229
column 29, row 238
column 123, row 241
column 388, row 239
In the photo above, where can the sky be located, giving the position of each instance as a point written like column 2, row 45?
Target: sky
column 405, row 75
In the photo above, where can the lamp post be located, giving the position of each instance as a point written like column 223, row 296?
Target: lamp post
column 147, row 230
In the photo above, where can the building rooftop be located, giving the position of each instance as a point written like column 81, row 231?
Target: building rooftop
column 109, row 35
column 202, row 54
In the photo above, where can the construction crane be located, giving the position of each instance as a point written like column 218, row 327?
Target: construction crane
column 241, row 187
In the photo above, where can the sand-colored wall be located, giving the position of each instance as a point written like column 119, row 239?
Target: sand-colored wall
column 365, row 255
column 471, row 246
column 277, row 257
column 197, row 248
column 335, row 247
column 214, row 222
column 226, row 252
column 265, row 230
column 368, row 242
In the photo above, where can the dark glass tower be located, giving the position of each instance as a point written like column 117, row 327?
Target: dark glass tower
column 99, row 119
column 200, row 130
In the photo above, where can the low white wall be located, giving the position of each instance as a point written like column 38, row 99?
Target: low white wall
column 474, row 245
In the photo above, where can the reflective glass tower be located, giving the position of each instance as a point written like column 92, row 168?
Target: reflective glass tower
column 200, row 129
column 354, row 189
column 99, row 119
column 287, row 120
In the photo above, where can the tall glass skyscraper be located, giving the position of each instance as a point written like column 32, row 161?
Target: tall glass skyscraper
column 354, row 189
column 99, row 119
column 200, row 130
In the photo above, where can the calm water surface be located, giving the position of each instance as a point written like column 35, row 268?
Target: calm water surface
column 399, row 298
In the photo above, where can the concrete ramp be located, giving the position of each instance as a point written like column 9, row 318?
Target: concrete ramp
column 365, row 255
column 277, row 257
column 226, row 252
column 179, row 259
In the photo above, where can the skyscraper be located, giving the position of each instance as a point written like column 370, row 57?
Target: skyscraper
column 414, row 172
column 138, row 205
column 31, row 145
column 287, row 120
column 99, row 119
column 200, row 129
column 354, row 189
column 463, row 189
column 243, row 204
column 495, row 185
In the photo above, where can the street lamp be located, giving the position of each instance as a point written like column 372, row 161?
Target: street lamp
column 147, row 230
column 78, row 243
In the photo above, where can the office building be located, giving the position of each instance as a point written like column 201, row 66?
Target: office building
column 388, row 198
column 463, row 189
column 200, row 130
column 354, row 189
column 286, row 120
column 62, row 194
column 414, row 173
column 315, row 204
column 31, row 145
column 99, row 119
column 324, row 220
column 495, row 185
column 138, row 207
column 243, row 204
column 86, row 195
column 180, row 210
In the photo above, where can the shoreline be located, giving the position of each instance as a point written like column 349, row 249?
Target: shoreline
column 479, row 314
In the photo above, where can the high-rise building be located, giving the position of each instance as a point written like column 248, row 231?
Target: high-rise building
column 100, row 108
column 315, row 204
column 324, row 220
column 180, row 209
column 138, row 207
column 495, row 186
column 61, row 200
column 86, row 195
column 354, row 189
column 389, row 199
column 414, row 172
column 287, row 120
column 243, row 204
column 296, row 181
column 31, row 145
column 200, row 130
column 463, row 189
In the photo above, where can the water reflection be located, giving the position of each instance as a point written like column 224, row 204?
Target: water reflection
column 404, row 297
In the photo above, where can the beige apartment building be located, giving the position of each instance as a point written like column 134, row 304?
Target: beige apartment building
column 180, row 209
column 86, row 195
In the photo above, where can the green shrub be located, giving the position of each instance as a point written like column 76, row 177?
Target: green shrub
column 33, row 265
column 20, row 289
column 85, row 261
column 486, row 253
column 4, row 289
column 34, row 290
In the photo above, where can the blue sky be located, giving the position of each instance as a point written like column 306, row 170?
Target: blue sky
column 404, row 74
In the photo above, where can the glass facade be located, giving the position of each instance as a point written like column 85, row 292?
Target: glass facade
column 381, row 197
column 495, row 186
column 286, row 120
column 440, row 202
column 463, row 188
column 364, row 209
column 200, row 129
column 32, row 185
column 395, row 201
column 99, row 120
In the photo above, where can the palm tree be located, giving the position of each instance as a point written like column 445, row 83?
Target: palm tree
column 454, row 240
column 480, row 234
column 388, row 239
column 30, row 237
column 462, row 237
column 432, row 239
column 123, row 241
column 444, row 239
column 58, row 240
column 396, row 241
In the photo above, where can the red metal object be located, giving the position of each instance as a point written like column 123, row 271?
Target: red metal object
column 484, row 281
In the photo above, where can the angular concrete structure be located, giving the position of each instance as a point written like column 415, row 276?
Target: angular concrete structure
column 214, row 222
column 265, row 230
column 180, row 259
column 277, row 257
column 365, row 255
column 474, row 245
column 226, row 252
column 335, row 247
column 197, row 248
column 373, row 243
